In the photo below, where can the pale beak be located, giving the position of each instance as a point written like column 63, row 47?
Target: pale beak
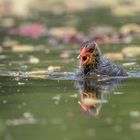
column 78, row 57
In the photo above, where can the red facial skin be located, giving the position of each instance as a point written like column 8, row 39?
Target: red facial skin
column 85, row 57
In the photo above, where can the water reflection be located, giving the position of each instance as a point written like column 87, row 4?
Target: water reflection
column 94, row 93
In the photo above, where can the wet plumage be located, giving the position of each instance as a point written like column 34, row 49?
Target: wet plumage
column 93, row 63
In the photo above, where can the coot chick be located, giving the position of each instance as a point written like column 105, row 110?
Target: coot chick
column 93, row 63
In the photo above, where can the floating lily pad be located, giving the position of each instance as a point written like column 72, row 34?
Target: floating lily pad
column 132, row 51
column 22, row 48
column 114, row 56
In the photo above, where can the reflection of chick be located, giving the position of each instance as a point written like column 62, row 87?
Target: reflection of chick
column 89, row 104
column 93, row 94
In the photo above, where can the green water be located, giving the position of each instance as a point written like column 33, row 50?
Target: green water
column 46, row 107
column 38, row 107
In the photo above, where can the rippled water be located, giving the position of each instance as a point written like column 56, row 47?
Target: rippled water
column 57, row 106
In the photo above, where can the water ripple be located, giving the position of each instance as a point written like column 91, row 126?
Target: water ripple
column 63, row 75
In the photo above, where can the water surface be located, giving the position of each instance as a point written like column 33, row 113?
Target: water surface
column 36, row 104
column 40, row 108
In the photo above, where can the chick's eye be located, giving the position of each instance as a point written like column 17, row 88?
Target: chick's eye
column 91, row 50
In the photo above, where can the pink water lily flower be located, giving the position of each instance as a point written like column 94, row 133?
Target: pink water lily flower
column 33, row 30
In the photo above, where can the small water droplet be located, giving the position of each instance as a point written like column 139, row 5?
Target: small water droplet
column 57, row 97
column 74, row 95
column 18, row 90
column 135, row 126
column 24, row 104
column 19, row 106
column 134, row 113
column 118, row 93
column 21, row 83
column 4, row 101
column 27, row 115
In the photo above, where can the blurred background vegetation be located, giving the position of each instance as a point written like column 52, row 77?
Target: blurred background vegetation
column 118, row 7
column 40, row 36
